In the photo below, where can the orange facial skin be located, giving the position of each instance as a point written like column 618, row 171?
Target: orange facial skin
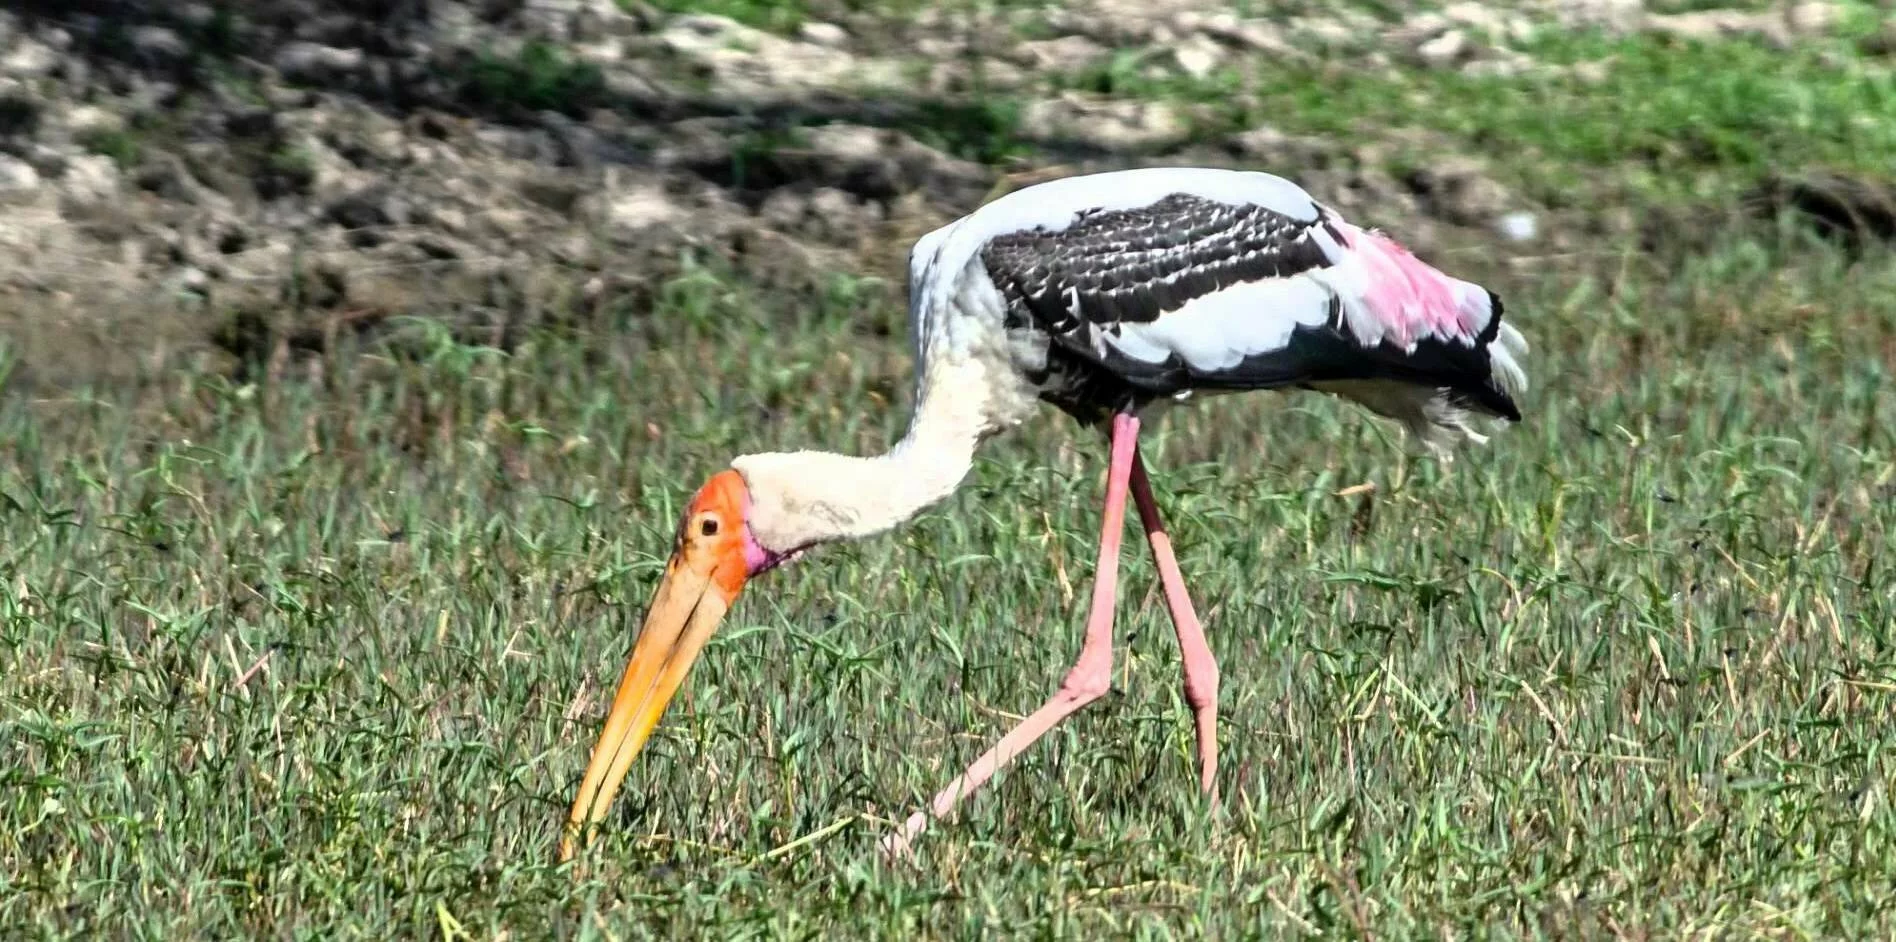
column 714, row 557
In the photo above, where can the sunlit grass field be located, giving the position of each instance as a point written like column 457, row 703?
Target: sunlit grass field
column 1627, row 667
column 322, row 655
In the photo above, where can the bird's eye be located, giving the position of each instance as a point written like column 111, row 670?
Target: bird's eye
column 708, row 527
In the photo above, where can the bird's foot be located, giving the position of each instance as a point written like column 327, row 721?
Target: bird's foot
column 899, row 847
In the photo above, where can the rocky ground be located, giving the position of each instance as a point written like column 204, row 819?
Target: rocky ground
column 189, row 180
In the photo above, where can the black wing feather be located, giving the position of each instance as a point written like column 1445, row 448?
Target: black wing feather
column 1112, row 269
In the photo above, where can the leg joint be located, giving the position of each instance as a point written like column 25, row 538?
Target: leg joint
column 1087, row 682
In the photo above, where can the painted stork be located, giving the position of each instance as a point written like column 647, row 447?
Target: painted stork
column 1105, row 295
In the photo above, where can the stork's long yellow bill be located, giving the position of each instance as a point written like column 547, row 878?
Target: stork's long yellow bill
column 702, row 579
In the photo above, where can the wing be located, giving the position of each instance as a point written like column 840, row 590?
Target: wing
column 1212, row 289
column 1120, row 267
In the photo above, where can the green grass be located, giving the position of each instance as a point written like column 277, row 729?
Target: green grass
column 540, row 76
column 1673, row 121
column 122, row 146
column 1628, row 667
column 1686, row 119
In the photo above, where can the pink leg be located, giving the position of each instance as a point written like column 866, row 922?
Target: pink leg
column 1091, row 675
column 1201, row 669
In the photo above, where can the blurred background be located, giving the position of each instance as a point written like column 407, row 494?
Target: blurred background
column 226, row 186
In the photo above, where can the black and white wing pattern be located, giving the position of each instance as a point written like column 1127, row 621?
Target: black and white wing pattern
column 1171, row 280
column 1132, row 266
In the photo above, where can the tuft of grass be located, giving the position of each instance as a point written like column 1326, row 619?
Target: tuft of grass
column 988, row 130
column 539, row 77
column 122, row 146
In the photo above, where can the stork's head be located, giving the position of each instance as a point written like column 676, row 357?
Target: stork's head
column 765, row 510
column 714, row 556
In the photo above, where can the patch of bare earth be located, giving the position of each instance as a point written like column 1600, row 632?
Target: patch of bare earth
column 237, row 187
